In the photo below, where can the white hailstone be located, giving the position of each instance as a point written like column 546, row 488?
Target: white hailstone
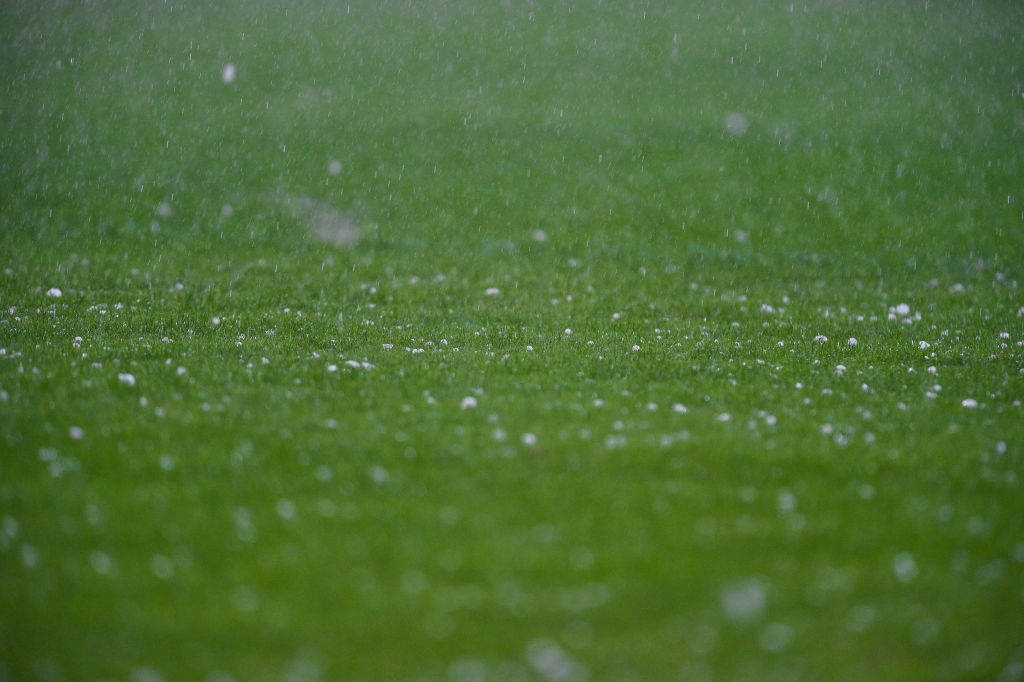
column 904, row 566
column 568, row 331
column 840, row 369
column 744, row 602
column 492, row 291
column 334, row 167
column 776, row 636
column 635, row 348
column 54, row 292
column 680, row 408
column 285, row 509
column 902, row 309
column 852, row 341
column 332, row 368
column 969, row 403
column 76, row 432
column 125, row 378
column 227, row 211
column 181, row 371
column 736, row 123
column 540, row 236
column 529, row 439
column 821, row 338
column 924, row 345
column 529, row 348
column 388, row 346
column 468, row 402
column 229, row 73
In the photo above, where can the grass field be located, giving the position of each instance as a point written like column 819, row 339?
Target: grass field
column 466, row 341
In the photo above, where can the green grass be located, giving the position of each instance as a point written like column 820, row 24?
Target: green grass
column 248, row 506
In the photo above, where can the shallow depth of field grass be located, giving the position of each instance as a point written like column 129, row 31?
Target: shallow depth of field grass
column 481, row 341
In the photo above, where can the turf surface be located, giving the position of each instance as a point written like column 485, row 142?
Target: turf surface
column 472, row 341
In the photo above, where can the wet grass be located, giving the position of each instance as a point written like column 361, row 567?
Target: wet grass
column 464, row 342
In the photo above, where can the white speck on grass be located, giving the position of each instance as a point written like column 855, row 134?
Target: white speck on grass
column 568, row 331
column 334, row 167
column 904, row 566
column 552, row 662
column 902, row 309
column 101, row 562
column 679, row 408
column 540, row 236
column 492, row 291
column 468, row 402
column 9, row 528
column 285, row 509
column 29, row 556
column 635, row 348
column 76, row 432
column 840, row 369
column 969, row 403
column 332, row 368
column 181, row 371
column 145, row 674
column 471, row 669
column 776, row 636
column 736, row 123
column 786, row 500
column 126, row 379
column 724, row 417
column 414, row 582
column 379, row 474
column 743, row 602
column 228, row 73
column 245, row 599
column 860, row 617
column 164, row 209
column 924, row 345
column 529, row 439
column 227, row 211
column 161, row 566
column 851, row 341
column 821, row 338
column 54, row 292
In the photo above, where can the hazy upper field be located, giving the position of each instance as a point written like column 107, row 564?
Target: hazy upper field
column 508, row 341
